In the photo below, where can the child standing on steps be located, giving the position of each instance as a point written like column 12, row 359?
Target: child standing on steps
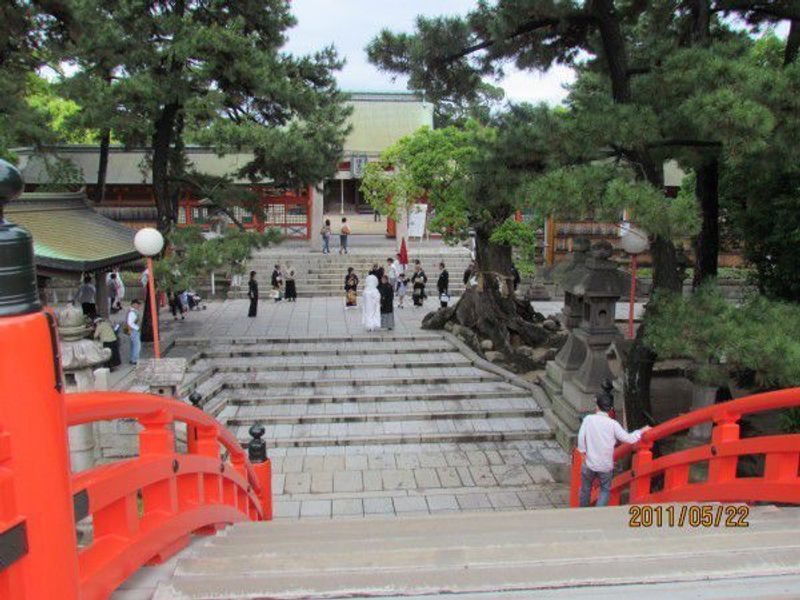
column 402, row 287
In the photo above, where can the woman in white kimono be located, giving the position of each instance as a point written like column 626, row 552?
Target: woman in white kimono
column 371, row 317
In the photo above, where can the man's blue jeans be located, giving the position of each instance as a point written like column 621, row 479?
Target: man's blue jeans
column 587, row 478
column 326, row 244
column 136, row 345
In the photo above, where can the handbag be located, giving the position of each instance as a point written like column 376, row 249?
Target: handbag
column 444, row 297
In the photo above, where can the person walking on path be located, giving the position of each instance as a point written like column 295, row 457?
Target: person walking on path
column 325, row 232
column 133, row 327
column 351, row 288
column 252, row 293
column 402, row 288
column 86, row 296
column 344, row 233
column 105, row 334
column 277, row 283
column 291, row 287
column 418, row 281
column 443, row 285
column 387, row 303
column 597, row 437
column 113, row 286
column 371, row 315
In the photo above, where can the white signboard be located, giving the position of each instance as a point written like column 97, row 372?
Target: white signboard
column 416, row 220
column 357, row 164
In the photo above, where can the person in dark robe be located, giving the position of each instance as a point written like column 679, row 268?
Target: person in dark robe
column 418, row 281
column 252, row 293
column 351, row 288
column 386, row 290
column 443, row 285
column 291, row 286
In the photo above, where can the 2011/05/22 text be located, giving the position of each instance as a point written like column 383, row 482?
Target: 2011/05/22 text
column 693, row 515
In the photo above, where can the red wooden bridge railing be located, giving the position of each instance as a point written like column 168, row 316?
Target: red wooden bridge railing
column 666, row 478
column 142, row 509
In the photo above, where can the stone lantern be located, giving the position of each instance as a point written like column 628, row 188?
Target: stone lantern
column 82, row 361
column 600, row 288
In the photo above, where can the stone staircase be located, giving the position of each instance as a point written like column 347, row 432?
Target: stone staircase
column 317, row 274
column 536, row 554
column 385, row 424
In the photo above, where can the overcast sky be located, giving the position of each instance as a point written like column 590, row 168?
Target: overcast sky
column 351, row 24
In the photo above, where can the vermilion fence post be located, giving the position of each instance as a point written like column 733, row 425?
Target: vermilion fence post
column 575, row 487
column 722, row 469
column 264, row 473
column 32, row 413
column 640, row 485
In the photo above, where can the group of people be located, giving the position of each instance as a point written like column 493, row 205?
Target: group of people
column 344, row 235
column 283, row 285
column 86, row 294
column 400, row 282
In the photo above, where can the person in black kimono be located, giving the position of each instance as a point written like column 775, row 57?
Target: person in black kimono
column 443, row 285
column 418, row 281
column 252, row 293
column 387, row 303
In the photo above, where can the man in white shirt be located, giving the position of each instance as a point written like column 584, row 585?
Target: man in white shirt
column 134, row 330
column 597, row 437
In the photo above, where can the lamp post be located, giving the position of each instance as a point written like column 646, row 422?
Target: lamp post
column 634, row 242
column 149, row 242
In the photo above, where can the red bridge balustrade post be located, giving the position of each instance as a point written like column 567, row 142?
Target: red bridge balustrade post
column 44, row 563
column 575, row 479
column 640, row 485
column 257, row 453
column 722, row 469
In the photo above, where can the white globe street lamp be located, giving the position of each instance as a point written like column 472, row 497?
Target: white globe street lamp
column 149, row 242
column 634, row 241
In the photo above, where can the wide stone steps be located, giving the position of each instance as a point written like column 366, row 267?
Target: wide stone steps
column 256, row 398
column 380, row 411
column 412, row 431
column 318, row 378
column 491, row 554
column 290, row 364
column 327, row 349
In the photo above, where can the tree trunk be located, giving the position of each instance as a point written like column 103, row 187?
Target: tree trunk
column 491, row 310
column 102, row 166
column 162, row 142
column 706, row 245
column 614, row 50
column 792, row 43
column 638, row 374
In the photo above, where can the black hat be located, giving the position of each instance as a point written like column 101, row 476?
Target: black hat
column 605, row 401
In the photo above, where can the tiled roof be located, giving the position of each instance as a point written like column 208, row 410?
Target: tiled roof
column 378, row 120
column 68, row 235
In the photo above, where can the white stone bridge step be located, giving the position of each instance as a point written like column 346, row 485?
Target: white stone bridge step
column 459, row 555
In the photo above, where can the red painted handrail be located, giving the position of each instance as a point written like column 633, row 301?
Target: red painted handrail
column 779, row 483
column 144, row 509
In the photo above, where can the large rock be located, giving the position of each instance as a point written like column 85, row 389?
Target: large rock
column 494, row 356
column 487, row 344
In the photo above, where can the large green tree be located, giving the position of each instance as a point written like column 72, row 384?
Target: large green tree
column 168, row 72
